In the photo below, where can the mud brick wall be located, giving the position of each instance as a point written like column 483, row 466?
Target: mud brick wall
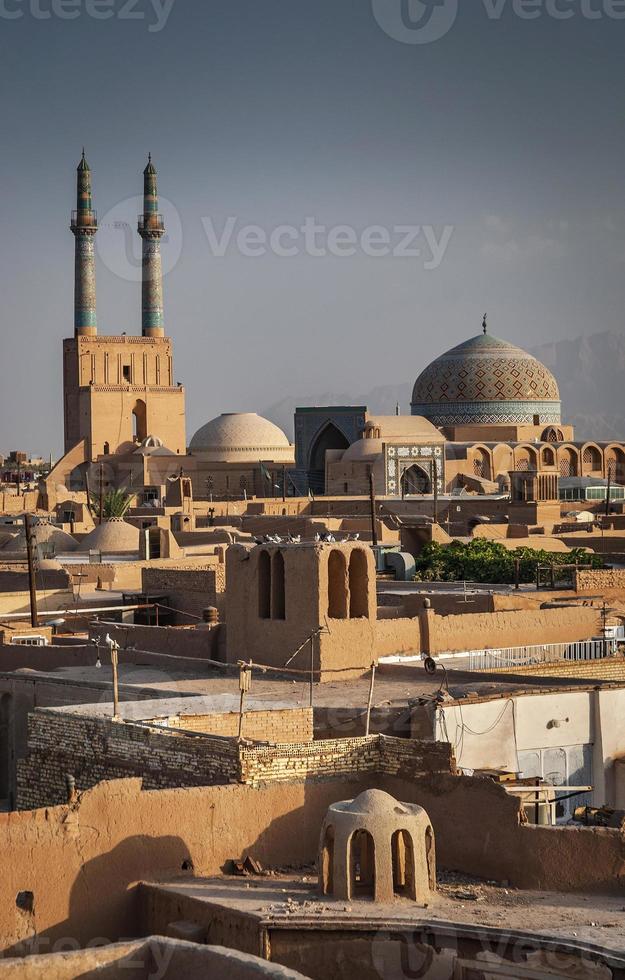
column 274, row 726
column 599, row 580
column 345, row 757
column 96, row 749
column 189, row 589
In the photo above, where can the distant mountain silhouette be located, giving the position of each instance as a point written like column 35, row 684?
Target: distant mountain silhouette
column 590, row 371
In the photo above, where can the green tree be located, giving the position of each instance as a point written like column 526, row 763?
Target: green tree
column 115, row 503
column 481, row 560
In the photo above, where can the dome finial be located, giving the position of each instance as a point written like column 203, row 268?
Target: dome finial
column 485, row 323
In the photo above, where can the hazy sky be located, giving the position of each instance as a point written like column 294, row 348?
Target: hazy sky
column 504, row 138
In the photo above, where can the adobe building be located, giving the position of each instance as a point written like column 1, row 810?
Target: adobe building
column 316, row 599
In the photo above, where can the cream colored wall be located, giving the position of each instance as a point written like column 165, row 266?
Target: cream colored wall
column 99, row 400
column 101, row 360
column 13, row 602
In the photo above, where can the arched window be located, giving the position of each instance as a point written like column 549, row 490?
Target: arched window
column 568, row 463
column 337, row 585
column 402, row 851
column 615, row 465
column 591, row 458
column 362, row 864
column 430, row 856
column 139, row 421
column 552, row 434
column 107, row 449
column 549, row 458
column 481, row 463
column 278, row 610
column 264, row 585
column 327, row 861
column 358, row 585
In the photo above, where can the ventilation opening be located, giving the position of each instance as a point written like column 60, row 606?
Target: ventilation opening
column 139, row 426
column 327, row 862
column 358, row 585
column 337, row 585
column 278, row 609
column 403, row 864
column 25, row 901
column 264, row 585
column 362, row 865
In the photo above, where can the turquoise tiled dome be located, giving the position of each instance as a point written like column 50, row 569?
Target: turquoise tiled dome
column 486, row 381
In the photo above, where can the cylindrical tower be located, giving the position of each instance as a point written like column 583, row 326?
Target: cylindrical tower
column 151, row 228
column 84, row 225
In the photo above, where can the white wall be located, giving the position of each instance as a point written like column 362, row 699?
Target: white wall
column 582, row 724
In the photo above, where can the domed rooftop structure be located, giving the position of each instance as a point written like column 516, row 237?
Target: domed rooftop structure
column 153, row 446
column 113, row 537
column 487, row 381
column 48, row 538
column 241, row 437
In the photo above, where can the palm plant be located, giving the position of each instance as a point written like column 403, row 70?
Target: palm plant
column 115, row 503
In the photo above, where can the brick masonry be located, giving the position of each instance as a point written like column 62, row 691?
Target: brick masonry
column 407, row 758
column 292, row 725
column 599, row 580
column 189, row 589
column 95, row 749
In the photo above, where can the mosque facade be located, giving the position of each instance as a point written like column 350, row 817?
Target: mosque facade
column 480, row 413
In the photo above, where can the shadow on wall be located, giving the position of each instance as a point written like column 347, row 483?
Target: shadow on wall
column 101, row 896
column 301, row 850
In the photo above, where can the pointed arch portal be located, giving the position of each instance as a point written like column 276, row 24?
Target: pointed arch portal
column 329, row 437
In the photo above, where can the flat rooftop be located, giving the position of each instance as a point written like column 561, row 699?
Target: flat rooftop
column 395, row 685
column 460, row 899
column 160, row 709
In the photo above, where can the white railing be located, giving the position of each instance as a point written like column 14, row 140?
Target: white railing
column 539, row 654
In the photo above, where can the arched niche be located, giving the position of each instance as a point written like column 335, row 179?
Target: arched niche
column 358, row 585
column 337, row 585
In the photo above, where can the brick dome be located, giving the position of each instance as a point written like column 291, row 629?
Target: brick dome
column 486, row 381
column 241, row 437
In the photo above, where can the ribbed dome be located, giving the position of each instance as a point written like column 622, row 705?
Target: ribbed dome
column 486, row 381
column 153, row 446
column 241, row 436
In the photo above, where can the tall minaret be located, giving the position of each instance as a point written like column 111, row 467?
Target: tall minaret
column 151, row 229
column 84, row 225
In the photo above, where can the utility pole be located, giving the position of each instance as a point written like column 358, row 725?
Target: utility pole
column 245, row 682
column 374, row 530
column 30, row 555
column 370, row 701
column 312, row 669
column 113, row 646
column 283, row 483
